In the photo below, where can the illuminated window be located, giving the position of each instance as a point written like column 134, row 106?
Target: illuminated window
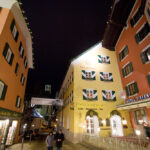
column 3, row 89
column 14, row 30
column 127, row 69
column 123, row 53
column 142, row 33
column 132, row 89
column 8, row 54
column 145, row 56
column 90, row 125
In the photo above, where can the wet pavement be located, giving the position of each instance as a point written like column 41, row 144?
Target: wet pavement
column 40, row 145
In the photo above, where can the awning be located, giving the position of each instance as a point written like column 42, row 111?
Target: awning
column 137, row 104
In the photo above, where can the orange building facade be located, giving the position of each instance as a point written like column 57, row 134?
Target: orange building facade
column 133, row 55
column 15, row 60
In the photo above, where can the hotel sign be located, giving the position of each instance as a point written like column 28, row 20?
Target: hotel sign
column 9, row 113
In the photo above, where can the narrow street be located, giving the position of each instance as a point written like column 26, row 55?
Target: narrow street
column 40, row 145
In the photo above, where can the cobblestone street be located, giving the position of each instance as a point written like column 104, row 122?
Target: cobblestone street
column 40, row 145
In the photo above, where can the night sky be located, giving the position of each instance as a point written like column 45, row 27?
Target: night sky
column 62, row 30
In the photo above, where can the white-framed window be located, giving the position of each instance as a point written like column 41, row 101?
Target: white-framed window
column 3, row 89
column 106, row 76
column 14, row 30
column 145, row 55
column 21, row 50
column 109, row 95
column 90, row 125
column 88, row 75
column 103, row 59
column 18, row 102
column 22, row 79
column 132, row 89
column 123, row 53
column 127, row 69
column 89, row 94
column 8, row 54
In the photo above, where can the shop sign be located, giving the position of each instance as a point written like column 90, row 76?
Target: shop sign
column 139, row 98
column 8, row 113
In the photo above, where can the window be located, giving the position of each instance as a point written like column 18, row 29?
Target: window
column 18, row 102
column 148, row 78
column 8, row 54
column 106, row 76
column 107, row 122
column 22, row 79
column 103, row 59
column 138, row 14
column 89, row 94
column 88, row 75
column 3, row 89
column 71, row 78
column 123, row 53
column 109, row 95
column 25, row 62
column 68, row 84
column 140, row 116
column 142, row 33
column 132, row 89
column 90, row 125
column 71, row 97
column 14, row 30
column 127, row 69
column 16, row 68
column 21, row 50
column 145, row 56
column 100, row 122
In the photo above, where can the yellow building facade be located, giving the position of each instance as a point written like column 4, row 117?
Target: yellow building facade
column 91, row 90
column 15, row 60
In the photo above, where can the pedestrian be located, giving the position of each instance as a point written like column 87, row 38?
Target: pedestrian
column 59, row 137
column 49, row 141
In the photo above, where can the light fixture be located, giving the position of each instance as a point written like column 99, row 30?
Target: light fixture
column 124, row 122
column 98, row 129
column 138, row 132
column 104, row 121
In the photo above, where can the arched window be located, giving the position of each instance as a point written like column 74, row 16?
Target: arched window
column 107, row 122
column 100, row 122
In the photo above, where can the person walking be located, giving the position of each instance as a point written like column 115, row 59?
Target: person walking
column 49, row 141
column 59, row 137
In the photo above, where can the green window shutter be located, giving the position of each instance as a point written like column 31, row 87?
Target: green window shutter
column 148, row 78
column 131, row 67
column 108, row 60
column 93, row 75
column 132, row 22
column 110, row 76
column 137, row 38
column 4, row 92
column 101, row 76
column 123, row 72
column 143, row 58
column 113, row 95
column 84, row 94
column 127, row 91
column 95, row 94
column 12, row 25
column 136, row 87
column 120, row 56
column 11, row 59
column 83, row 74
column 5, row 49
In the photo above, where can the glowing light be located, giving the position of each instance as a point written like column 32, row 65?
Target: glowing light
column 124, row 122
column 25, row 125
column 83, row 126
column 98, row 129
column 104, row 121
column 138, row 132
column 14, row 123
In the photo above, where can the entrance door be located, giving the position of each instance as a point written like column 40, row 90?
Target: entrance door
column 116, row 125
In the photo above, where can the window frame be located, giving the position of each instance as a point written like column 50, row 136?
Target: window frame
column 14, row 30
column 18, row 100
column 3, row 91
column 121, row 58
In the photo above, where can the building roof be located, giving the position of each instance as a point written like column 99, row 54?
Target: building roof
column 15, row 9
column 117, row 20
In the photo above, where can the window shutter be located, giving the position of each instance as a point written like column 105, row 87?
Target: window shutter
column 16, row 38
column 136, row 87
column 132, row 22
column 131, row 67
column 83, row 74
column 127, row 91
column 126, row 50
column 143, row 58
column 113, row 95
column 110, row 77
column 137, row 38
column 11, row 59
column 4, row 92
column 5, row 50
column 123, row 73
column 12, row 25
column 84, row 94
column 148, row 78
column 120, row 56
column 93, row 75
column 108, row 60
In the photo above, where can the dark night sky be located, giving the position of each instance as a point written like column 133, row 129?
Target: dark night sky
column 62, row 29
